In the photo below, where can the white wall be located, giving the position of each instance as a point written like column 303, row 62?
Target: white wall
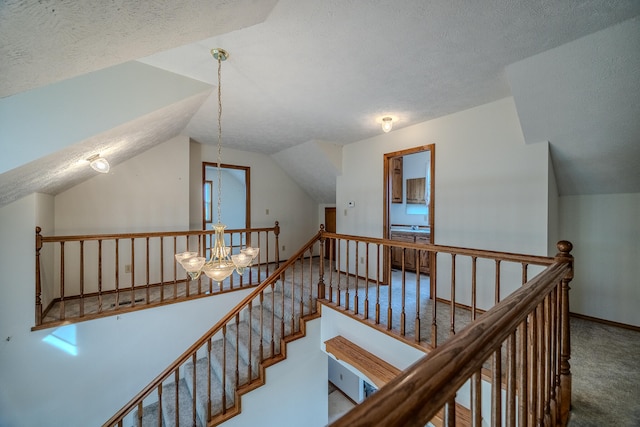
column 273, row 190
column 41, row 384
column 149, row 192
column 605, row 232
column 296, row 391
column 490, row 188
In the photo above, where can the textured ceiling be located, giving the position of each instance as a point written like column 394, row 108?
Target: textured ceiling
column 299, row 70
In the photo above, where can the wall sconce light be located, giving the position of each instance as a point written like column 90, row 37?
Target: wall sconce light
column 99, row 164
column 387, row 122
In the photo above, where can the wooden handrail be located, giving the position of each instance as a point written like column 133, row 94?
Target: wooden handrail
column 496, row 255
column 150, row 234
column 134, row 402
column 415, row 396
column 105, row 281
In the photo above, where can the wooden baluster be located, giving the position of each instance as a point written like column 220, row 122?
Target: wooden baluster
column 194, row 393
column 558, row 351
column 496, row 388
column 548, row 327
column 511, row 381
column 403, row 295
column 389, row 293
column 133, row 274
column 273, row 320
column 452, row 327
column 347, row 275
column 82, row 278
column 117, row 273
column 450, row 412
column 540, row 370
column 312, row 305
column 159, row 405
column 175, row 271
column 224, row 369
column 261, row 326
column 100, row 276
column 533, row 367
column 38, row 277
column 161, row 268
column 332, row 247
column 237, row 361
column 476, row 399
column 277, row 233
column 62, row 308
column 321, row 285
column 338, row 263
column 497, row 287
column 523, row 374
column 140, row 413
column 148, row 296
column 209, row 360
column 474, row 287
column 357, row 277
column 434, row 298
column 416, row 326
column 176, row 382
column 366, row 283
column 293, row 300
column 250, row 361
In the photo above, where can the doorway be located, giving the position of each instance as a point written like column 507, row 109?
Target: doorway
column 408, row 197
column 236, row 195
column 330, row 227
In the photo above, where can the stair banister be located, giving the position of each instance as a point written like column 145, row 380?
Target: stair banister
column 137, row 399
column 417, row 394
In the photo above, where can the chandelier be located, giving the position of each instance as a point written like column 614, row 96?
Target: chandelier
column 222, row 263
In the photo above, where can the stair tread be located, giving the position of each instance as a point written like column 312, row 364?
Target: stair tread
column 185, row 408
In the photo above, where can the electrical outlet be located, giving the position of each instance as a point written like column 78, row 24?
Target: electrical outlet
column 283, row 249
column 266, row 212
column 361, row 260
column 127, row 268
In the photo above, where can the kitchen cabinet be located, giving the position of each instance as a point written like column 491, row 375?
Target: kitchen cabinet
column 416, row 190
column 396, row 180
column 410, row 255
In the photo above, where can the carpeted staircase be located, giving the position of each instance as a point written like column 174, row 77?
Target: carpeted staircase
column 253, row 341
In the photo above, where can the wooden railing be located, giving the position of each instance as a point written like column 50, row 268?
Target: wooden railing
column 90, row 276
column 204, row 385
column 515, row 342
column 522, row 342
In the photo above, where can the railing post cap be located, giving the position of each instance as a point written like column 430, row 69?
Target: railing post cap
column 564, row 246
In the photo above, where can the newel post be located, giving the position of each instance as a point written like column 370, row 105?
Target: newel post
column 564, row 256
column 321, row 285
column 276, row 231
column 38, row 283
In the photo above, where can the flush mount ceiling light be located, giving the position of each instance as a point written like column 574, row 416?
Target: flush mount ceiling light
column 387, row 122
column 99, row 164
column 222, row 263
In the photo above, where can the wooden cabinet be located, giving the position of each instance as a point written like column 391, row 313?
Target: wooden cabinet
column 396, row 180
column 424, row 255
column 415, row 191
column 410, row 255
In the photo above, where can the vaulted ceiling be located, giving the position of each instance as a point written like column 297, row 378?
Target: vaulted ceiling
column 120, row 77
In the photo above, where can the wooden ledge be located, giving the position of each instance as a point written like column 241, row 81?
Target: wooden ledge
column 376, row 369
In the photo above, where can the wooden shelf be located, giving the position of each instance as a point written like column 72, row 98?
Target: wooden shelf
column 376, row 369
